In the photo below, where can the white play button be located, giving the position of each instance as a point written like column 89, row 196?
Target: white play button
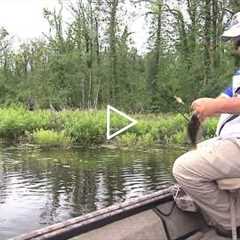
column 109, row 109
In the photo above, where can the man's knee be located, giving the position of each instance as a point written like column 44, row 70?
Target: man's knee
column 178, row 166
column 186, row 165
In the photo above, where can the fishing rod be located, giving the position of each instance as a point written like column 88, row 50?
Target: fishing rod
column 176, row 98
column 180, row 101
column 193, row 123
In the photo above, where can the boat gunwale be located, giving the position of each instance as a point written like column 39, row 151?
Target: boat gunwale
column 98, row 218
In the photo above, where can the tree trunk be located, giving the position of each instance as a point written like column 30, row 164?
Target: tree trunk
column 192, row 10
column 215, row 36
column 113, row 53
column 207, row 40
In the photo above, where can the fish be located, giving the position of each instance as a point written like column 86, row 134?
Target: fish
column 193, row 128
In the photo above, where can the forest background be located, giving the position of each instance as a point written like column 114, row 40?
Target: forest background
column 92, row 61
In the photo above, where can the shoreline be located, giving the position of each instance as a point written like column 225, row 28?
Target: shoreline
column 71, row 128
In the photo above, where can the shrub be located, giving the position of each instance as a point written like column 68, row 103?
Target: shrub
column 50, row 138
column 89, row 127
column 85, row 127
column 209, row 127
column 127, row 139
column 146, row 140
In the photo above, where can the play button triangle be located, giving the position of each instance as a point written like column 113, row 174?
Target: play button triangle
column 109, row 109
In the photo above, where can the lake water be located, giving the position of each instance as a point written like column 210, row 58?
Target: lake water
column 41, row 187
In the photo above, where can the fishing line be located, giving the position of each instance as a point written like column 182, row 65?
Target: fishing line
column 177, row 99
column 193, row 123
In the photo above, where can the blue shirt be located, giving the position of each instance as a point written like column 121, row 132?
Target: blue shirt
column 229, row 91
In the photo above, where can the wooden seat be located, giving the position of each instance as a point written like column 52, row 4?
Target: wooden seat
column 231, row 185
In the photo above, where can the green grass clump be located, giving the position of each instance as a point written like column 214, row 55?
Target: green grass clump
column 132, row 140
column 14, row 122
column 127, row 139
column 85, row 127
column 51, row 138
column 146, row 140
column 209, row 127
column 179, row 137
column 162, row 128
column 89, row 127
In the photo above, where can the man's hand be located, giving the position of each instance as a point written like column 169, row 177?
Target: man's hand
column 204, row 107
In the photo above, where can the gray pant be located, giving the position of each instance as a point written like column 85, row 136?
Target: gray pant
column 197, row 171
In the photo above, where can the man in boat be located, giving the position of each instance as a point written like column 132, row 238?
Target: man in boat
column 197, row 171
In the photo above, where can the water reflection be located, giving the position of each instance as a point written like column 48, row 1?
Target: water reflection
column 41, row 187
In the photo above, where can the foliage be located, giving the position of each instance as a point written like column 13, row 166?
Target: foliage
column 86, row 127
column 89, row 127
column 128, row 139
column 209, row 127
column 14, row 121
column 92, row 61
column 50, row 138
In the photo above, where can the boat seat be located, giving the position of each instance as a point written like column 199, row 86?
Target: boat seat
column 231, row 185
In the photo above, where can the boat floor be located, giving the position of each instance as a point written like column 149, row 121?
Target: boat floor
column 209, row 234
column 147, row 225
column 154, row 217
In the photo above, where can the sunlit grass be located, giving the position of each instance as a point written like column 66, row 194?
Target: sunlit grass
column 89, row 127
column 50, row 138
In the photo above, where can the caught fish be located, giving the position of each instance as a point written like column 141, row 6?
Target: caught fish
column 193, row 129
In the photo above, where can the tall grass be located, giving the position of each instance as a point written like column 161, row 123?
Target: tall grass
column 89, row 127
column 51, row 138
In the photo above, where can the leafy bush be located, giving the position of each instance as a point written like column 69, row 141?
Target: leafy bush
column 85, row 127
column 128, row 139
column 146, row 140
column 89, row 127
column 13, row 122
column 209, row 127
column 50, row 138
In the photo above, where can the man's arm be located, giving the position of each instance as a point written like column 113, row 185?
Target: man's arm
column 227, row 93
column 226, row 105
column 207, row 107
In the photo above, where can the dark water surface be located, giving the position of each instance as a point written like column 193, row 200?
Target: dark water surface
column 40, row 187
